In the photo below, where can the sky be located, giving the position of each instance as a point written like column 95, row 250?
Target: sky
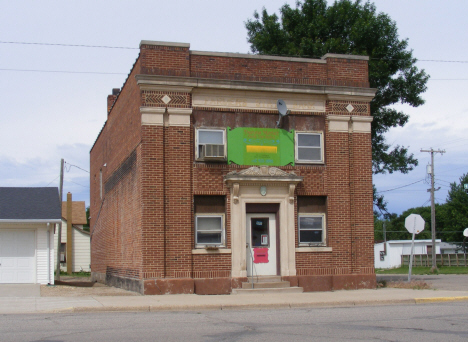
column 53, row 98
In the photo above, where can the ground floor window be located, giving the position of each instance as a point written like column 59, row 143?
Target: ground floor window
column 311, row 229
column 209, row 230
column 209, row 220
column 311, row 221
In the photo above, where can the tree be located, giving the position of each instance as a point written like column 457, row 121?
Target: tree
column 457, row 210
column 313, row 29
column 86, row 226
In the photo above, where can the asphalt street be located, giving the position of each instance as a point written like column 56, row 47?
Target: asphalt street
column 428, row 322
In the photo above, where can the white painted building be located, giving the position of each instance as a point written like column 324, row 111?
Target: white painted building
column 388, row 254
column 28, row 217
column 81, row 249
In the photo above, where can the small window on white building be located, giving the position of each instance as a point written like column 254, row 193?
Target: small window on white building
column 211, row 144
column 209, row 230
column 309, row 147
column 63, row 252
column 311, row 228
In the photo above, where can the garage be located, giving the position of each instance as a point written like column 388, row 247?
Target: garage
column 28, row 217
column 17, row 256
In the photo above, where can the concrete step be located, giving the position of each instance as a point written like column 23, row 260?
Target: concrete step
column 267, row 285
column 264, row 279
column 267, row 291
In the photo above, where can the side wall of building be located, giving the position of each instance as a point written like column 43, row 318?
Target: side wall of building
column 116, row 205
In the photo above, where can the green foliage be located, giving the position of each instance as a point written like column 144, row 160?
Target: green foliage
column 313, row 29
column 451, row 218
column 456, row 215
column 87, row 219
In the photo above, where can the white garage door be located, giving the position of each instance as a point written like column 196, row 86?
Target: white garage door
column 17, row 256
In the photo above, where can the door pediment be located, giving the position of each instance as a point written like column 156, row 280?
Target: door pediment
column 262, row 174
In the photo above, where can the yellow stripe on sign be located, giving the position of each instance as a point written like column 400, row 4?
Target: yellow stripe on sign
column 262, row 149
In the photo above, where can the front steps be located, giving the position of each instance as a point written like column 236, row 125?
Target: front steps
column 266, row 285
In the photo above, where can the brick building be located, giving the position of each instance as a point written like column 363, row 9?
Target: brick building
column 198, row 183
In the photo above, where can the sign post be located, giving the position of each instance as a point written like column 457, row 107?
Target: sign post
column 465, row 234
column 414, row 223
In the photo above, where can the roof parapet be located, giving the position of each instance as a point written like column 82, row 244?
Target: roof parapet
column 152, row 42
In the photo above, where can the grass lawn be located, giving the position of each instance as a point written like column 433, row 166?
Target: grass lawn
column 418, row 270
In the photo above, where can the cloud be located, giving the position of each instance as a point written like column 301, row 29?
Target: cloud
column 45, row 171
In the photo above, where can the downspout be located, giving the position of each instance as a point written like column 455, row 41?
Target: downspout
column 48, row 253
column 165, row 126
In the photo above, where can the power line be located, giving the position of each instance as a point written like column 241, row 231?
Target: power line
column 133, row 48
column 403, row 186
column 66, row 71
column 123, row 73
column 53, row 180
column 84, row 186
column 71, row 165
column 72, row 45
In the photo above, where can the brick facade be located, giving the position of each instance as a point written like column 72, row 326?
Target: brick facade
column 144, row 171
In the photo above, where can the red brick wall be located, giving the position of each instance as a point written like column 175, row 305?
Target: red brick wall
column 177, row 61
column 336, row 71
column 257, row 70
column 178, row 196
column 152, row 192
column 362, row 203
column 116, row 220
column 211, row 266
column 165, row 60
column 347, row 72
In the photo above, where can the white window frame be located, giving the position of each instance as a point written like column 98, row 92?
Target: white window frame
column 296, row 148
column 324, row 232
column 223, row 232
column 197, row 139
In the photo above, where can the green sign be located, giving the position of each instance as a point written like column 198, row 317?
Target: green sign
column 260, row 146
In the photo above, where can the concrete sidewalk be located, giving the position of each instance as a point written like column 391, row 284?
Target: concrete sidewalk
column 383, row 296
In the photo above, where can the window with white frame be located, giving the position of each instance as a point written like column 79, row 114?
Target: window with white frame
column 311, row 229
column 309, row 147
column 211, row 143
column 209, row 230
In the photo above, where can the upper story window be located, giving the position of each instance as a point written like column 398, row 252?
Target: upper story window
column 309, row 147
column 211, row 144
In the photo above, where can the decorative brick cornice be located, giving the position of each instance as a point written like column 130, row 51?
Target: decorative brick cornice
column 192, row 82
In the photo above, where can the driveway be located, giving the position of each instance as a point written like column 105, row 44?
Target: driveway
column 449, row 282
column 20, row 290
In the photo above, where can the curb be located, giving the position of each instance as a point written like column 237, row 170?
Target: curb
column 440, row 299
column 257, row 306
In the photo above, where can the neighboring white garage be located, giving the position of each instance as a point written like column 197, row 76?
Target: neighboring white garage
column 17, row 256
column 27, row 221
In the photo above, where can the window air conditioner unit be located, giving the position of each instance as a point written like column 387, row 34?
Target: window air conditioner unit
column 213, row 151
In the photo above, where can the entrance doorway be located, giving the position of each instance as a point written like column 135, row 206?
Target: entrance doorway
column 261, row 244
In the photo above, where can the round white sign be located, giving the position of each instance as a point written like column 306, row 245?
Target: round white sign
column 414, row 223
column 465, row 232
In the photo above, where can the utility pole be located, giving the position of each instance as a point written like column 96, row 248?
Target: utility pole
column 431, row 190
column 59, row 236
